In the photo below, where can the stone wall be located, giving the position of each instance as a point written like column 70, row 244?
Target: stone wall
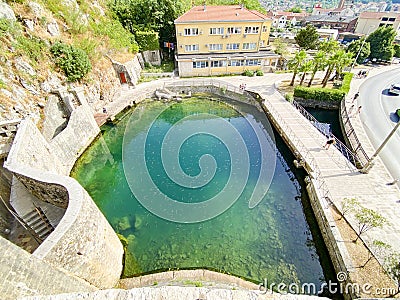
column 338, row 253
column 83, row 244
column 69, row 144
column 130, row 70
column 23, row 274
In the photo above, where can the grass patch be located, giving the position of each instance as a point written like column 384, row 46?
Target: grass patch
column 166, row 67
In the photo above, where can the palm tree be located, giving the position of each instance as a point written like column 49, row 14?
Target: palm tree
column 305, row 68
column 338, row 61
column 343, row 59
column 296, row 62
column 330, row 63
column 319, row 62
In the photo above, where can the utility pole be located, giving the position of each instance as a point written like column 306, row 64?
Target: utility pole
column 370, row 163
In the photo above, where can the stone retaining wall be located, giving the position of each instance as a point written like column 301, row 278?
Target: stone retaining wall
column 83, row 245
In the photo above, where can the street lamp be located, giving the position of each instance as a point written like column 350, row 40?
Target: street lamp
column 370, row 163
column 362, row 45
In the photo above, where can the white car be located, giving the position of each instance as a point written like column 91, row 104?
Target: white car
column 394, row 89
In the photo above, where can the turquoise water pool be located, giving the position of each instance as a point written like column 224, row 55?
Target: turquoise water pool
column 266, row 238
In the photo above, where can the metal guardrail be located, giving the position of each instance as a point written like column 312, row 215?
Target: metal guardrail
column 207, row 82
column 346, row 152
column 305, row 153
column 352, row 137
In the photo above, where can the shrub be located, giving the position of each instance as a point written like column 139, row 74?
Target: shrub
column 289, row 97
column 73, row 61
column 319, row 94
column 248, row 73
column 259, row 73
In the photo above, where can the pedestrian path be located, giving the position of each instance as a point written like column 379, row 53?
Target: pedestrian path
column 340, row 179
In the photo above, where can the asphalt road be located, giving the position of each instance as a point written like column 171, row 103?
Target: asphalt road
column 378, row 117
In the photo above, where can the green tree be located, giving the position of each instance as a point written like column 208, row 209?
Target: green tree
column 396, row 48
column 349, row 205
column 304, row 69
column 280, row 47
column 337, row 61
column 319, row 63
column 381, row 43
column 147, row 15
column 295, row 63
column 368, row 219
column 329, row 46
column 361, row 48
column 295, row 10
column 307, row 38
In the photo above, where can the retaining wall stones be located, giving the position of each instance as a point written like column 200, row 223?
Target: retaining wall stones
column 83, row 244
column 23, row 274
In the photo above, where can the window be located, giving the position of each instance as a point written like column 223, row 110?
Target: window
column 249, row 46
column 218, row 63
column 218, row 30
column 251, row 29
column 215, row 47
column 234, row 46
column 200, row 64
column 253, row 62
column 234, row 30
column 191, row 48
column 264, row 29
column 236, row 63
column 191, row 31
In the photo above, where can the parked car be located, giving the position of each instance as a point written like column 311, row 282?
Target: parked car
column 394, row 89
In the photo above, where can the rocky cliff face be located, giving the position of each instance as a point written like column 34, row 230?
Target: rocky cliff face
column 28, row 74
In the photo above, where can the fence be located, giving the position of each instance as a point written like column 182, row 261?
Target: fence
column 346, row 152
column 352, row 137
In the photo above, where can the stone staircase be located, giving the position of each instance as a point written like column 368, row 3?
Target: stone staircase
column 38, row 222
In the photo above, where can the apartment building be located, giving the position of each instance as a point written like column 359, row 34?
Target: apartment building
column 216, row 40
column 370, row 21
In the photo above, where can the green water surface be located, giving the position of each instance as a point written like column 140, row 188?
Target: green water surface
column 271, row 240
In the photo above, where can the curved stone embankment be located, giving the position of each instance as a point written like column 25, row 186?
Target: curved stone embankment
column 183, row 284
column 83, row 244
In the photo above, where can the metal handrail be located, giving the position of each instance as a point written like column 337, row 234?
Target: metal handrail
column 346, row 152
column 322, row 186
column 352, row 137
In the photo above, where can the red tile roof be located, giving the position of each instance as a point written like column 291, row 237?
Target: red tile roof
column 220, row 13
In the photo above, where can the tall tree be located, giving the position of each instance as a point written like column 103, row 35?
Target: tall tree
column 305, row 68
column 337, row 61
column 381, row 43
column 360, row 49
column 319, row 63
column 307, row 38
column 296, row 62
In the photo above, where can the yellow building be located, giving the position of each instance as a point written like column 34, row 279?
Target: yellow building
column 215, row 40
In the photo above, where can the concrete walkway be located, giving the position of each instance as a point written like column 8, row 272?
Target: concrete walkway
column 341, row 179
